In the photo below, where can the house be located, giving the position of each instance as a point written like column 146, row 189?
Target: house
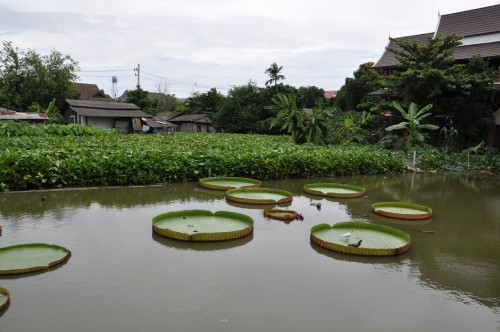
column 189, row 122
column 31, row 117
column 125, row 117
column 480, row 32
column 90, row 91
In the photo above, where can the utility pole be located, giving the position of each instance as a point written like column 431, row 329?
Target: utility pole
column 138, row 74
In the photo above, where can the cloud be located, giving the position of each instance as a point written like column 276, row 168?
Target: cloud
column 197, row 44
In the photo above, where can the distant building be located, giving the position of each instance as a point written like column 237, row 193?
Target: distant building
column 90, row 91
column 125, row 117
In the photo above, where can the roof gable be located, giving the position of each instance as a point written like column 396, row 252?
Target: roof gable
column 89, row 91
column 389, row 60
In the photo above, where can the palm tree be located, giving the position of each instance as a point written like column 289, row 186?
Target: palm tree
column 317, row 124
column 413, row 123
column 289, row 114
column 274, row 74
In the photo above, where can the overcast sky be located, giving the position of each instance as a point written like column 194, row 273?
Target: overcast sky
column 193, row 45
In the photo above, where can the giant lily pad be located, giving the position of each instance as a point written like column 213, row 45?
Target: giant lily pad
column 376, row 240
column 227, row 183
column 259, row 196
column 334, row 190
column 280, row 214
column 4, row 297
column 402, row 210
column 31, row 257
column 202, row 225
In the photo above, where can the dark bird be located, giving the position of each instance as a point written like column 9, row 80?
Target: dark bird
column 355, row 245
column 300, row 217
column 318, row 206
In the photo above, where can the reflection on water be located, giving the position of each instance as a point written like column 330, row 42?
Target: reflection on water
column 122, row 277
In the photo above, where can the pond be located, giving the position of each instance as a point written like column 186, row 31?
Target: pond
column 122, row 277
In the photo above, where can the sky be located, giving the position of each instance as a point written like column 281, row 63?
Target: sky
column 186, row 46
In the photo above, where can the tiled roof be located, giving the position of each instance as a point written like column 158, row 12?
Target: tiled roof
column 487, row 50
column 197, row 118
column 105, row 109
column 89, row 91
column 388, row 60
column 473, row 22
column 102, row 104
column 167, row 116
column 330, row 94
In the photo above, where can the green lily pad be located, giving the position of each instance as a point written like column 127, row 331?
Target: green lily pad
column 402, row 210
column 227, row 183
column 202, row 225
column 334, row 190
column 31, row 257
column 376, row 240
column 259, row 196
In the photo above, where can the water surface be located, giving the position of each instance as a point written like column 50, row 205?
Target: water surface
column 122, row 277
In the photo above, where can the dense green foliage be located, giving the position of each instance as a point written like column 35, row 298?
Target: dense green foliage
column 24, row 130
column 428, row 74
column 53, row 161
column 353, row 95
column 28, row 78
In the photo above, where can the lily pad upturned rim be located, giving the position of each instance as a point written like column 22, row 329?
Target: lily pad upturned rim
column 281, row 214
column 209, row 182
column 428, row 211
column 206, row 236
column 362, row 250
column 4, row 292
column 231, row 195
column 310, row 189
column 39, row 267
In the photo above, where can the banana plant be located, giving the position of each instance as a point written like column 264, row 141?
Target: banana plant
column 290, row 116
column 413, row 124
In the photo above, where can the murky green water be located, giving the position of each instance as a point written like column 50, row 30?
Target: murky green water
column 121, row 277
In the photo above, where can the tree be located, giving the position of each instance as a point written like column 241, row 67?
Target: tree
column 274, row 74
column 52, row 112
column 472, row 109
column 412, row 124
column 308, row 97
column 140, row 98
column 27, row 77
column 208, row 102
column 243, row 109
column 290, row 117
column 355, row 89
column 427, row 72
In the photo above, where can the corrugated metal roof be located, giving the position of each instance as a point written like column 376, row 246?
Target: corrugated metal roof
column 96, row 104
column 24, row 116
column 110, row 113
column 388, row 60
column 153, row 123
column 473, row 22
